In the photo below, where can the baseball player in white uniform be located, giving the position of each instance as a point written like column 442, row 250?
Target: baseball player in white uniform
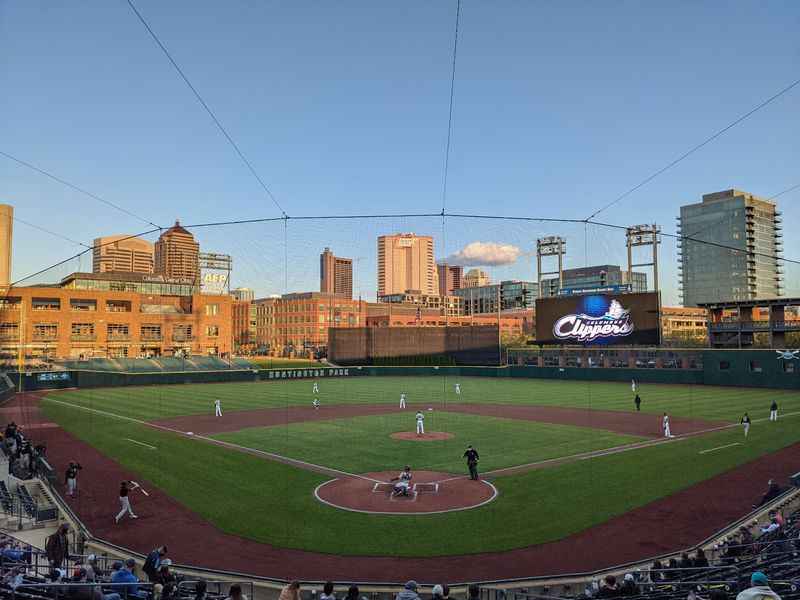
column 316, row 403
column 402, row 400
column 746, row 424
column 634, row 387
column 403, row 483
column 420, row 423
column 217, row 408
column 316, row 388
column 773, row 411
column 124, row 502
column 458, row 389
column 665, row 426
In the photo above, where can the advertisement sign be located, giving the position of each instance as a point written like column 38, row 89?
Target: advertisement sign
column 611, row 289
column 599, row 319
column 53, row 376
column 215, row 273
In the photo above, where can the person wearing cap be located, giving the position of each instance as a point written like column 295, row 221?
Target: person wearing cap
column 124, row 502
column 437, row 593
column 472, row 462
column 759, row 589
column 409, row 591
column 628, row 587
column 153, row 562
column 126, row 575
column 93, row 571
column 71, row 477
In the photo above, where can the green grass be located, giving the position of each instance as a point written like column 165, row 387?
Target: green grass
column 363, row 444
column 702, row 402
column 273, row 502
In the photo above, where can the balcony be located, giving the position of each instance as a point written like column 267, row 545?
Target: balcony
column 182, row 338
column 82, row 337
column 150, row 337
column 118, row 337
column 45, row 337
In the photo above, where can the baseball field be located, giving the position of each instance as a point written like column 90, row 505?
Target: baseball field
column 560, row 457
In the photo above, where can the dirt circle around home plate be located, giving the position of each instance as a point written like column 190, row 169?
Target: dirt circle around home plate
column 432, row 436
column 431, row 492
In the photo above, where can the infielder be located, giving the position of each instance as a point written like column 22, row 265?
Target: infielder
column 71, row 477
column 634, row 386
column 402, row 400
column 472, row 462
column 458, row 389
column 403, row 484
column 124, row 502
column 217, row 408
column 746, row 424
column 420, row 423
column 316, row 388
column 316, row 403
column 665, row 426
column 773, row 411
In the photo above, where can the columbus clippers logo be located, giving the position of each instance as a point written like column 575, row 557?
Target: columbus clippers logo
column 584, row 328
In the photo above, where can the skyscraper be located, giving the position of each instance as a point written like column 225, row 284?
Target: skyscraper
column 405, row 262
column 6, row 234
column 335, row 274
column 450, row 277
column 751, row 226
column 177, row 255
column 122, row 254
column 243, row 294
column 475, row 278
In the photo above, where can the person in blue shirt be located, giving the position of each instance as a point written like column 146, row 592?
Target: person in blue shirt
column 126, row 575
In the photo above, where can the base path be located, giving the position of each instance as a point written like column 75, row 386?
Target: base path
column 426, row 494
column 627, row 423
column 691, row 516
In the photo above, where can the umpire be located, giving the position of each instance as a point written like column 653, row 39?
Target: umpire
column 472, row 462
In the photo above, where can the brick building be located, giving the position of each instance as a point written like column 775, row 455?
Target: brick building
column 112, row 315
column 244, row 326
column 177, row 255
column 335, row 274
column 684, row 326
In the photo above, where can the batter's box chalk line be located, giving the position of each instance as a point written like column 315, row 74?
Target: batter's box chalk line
column 412, row 497
column 426, row 487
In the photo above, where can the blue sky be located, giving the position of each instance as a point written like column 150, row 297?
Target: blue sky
column 342, row 109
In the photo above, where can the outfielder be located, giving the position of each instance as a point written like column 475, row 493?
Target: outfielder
column 634, row 386
column 217, row 408
column 420, row 423
column 746, row 424
column 402, row 400
column 316, row 403
column 458, row 389
column 665, row 426
column 773, row 411
column 316, row 388
column 124, row 502
column 403, row 484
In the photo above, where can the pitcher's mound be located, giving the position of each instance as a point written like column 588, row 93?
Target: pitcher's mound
column 425, row 437
column 430, row 492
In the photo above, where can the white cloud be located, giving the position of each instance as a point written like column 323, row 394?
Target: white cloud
column 488, row 254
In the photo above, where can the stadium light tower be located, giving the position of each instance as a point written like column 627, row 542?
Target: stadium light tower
column 643, row 235
column 552, row 245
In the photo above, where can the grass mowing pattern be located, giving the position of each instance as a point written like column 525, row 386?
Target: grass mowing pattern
column 273, row 503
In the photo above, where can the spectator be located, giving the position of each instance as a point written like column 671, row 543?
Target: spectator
column 628, row 587
column 327, row 592
column 657, row 572
column 759, row 589
column 200, row 592
column 609, row 588
column 14, row 578
column 153, row 562
column 718, row 594
column 673, row 572
column 409, row 591
column 474, row 592
column 56, row 547
column 235, row 593
column 700, row 561
column 115, row 567
column 93, row 571
column 352, row 593
column 771, row 527
column 291, row 591
column 773, row 491
column 126, row 575
column 438, row 592
column 445, row 592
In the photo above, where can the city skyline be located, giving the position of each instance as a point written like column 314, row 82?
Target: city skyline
column 362, row 129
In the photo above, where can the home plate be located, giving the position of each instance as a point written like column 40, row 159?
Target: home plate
column 190, row 433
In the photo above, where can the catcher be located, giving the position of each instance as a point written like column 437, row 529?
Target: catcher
column 403, row 483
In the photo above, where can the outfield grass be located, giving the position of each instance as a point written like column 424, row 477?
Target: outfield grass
column 702, row 402
column 363, row 444
column 273, row 502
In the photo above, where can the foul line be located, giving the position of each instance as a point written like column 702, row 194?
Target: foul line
column 720, row 448
column 142, row 444
column 246, row 449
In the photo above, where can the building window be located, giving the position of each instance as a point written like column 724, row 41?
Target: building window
column 182, row 333
column 9, row 332
column 755, row 366
column 82, row 305
column 212, row 310
column 45, row 304
column 45, row 331
column 118, row 306
column 82, row 331
column 10, row 303
column 151, row 333
column 212, row 331
column 724, row 365
column 117, row 332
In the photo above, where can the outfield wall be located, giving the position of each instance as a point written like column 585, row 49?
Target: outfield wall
column 738, row 368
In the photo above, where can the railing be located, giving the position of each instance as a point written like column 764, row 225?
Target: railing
column 118, row 337
column 183, row 338
column 60, row 589
column 752, row 325
column 82, row 337
column 48, row 337
column 151, row 338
